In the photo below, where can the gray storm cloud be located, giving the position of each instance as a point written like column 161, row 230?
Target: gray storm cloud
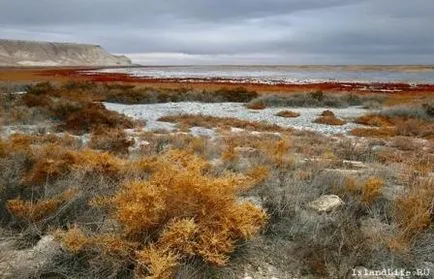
column 236, row 31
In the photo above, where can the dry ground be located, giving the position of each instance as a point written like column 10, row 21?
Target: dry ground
column 89, row 193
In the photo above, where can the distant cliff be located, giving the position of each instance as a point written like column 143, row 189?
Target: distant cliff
column 31, row 53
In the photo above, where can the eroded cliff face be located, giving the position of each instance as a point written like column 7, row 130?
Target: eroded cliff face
column 30, row 53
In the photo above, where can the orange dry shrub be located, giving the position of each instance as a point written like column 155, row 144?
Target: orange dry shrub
column 50, row 162
column 404, row 126
column 188, row 212
column 288, row 114
column 53, row 161
column 189, row 120
column 37, row 211
column 412, row 213
column 374, row 132
column 327, row 113
column 112, row 245
column 23, row 140
column 329, row 120
column 229, row 154
column 351, row 185
column 374, row 120
column 74, row 240
column 17, row 141
column 258, row 174
column 371, row 190
column 153, row 263
column 279, row 152
column 90, row 161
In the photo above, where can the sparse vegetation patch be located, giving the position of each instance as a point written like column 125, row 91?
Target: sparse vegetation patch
column 288, row 114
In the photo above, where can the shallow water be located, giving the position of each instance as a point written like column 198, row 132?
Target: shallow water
column 282, row 74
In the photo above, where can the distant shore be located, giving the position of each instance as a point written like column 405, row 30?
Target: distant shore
column 62, row 74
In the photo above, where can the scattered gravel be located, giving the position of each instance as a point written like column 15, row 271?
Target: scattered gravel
column 152, row 112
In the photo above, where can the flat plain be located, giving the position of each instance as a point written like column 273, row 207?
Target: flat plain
column 108, row 175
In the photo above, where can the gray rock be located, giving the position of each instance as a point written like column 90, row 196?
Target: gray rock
column 204, row 132
column 24, row 263
column 344, row 172
column 355, row 164
column 326, row 203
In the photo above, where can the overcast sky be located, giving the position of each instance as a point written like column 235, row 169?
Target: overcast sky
column 234, row 31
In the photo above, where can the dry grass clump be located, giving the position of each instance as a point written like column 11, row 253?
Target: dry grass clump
column 327, row 117
column 3, row 148
column 368, row 190
column 75, row 110
column 25, row 140
column 409, row 128
column 371, row 190
column 31, row 211
column 413, row 214
column 180, row 213
column 329, row 120
column 74, row 239
column 238, row 94
column 279, row 153
column 411, row 121
column 51, row 161
column 404, row 143
column 258, row 105
column 131, row 95
column 92, row 116
column 189, row 120
column 415, row 128
column 39, row 88
column 374, row 132
column 327, row 113
column 14, row 111
column 288, row 114
column 321, row 99
column 374, row 120
column 110, row 140
column 229, row 155
column 152, row 143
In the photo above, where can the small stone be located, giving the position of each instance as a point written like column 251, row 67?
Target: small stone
column 326, row 203
column 355, row 164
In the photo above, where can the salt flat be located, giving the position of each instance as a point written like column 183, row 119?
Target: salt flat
column 152, row 112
